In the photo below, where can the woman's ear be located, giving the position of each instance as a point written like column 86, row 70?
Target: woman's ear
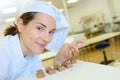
column 19, row 24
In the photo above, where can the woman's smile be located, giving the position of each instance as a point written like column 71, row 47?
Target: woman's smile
column 41, row 45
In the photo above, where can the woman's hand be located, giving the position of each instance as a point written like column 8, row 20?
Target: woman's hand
column 68, row 50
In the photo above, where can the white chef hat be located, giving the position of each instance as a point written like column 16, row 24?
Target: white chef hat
column 61, row 24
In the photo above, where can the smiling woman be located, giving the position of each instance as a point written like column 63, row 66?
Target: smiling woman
column 37, row 28
column 40, row 26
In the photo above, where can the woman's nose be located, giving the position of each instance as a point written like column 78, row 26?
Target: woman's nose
column 46, row 38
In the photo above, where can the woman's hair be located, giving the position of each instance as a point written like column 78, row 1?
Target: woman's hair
column 26, row 17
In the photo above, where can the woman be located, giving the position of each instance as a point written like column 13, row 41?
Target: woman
column 40, row 26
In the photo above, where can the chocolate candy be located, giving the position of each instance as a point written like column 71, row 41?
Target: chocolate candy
column 67, row 64
column 50, row 70
column 40, row 74
column 59, row 67
column 73, row 61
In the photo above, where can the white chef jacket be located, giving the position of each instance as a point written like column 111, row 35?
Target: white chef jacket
column 13, row 64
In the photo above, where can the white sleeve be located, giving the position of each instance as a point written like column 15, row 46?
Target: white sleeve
column 3, row 65
column 37, row 64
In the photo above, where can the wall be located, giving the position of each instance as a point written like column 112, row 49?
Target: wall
column 116, row 4
column 88, row 7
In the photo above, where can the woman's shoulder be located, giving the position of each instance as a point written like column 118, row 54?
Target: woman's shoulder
column 4, row 47
column 3, row 39
column 4, row 42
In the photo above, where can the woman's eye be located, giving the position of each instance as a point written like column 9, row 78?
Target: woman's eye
column 52, row 32
column 40, row 28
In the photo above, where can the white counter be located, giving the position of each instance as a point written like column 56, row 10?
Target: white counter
column 82, row 71
column 48, row 55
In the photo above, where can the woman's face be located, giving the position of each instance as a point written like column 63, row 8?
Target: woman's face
column 37, row 33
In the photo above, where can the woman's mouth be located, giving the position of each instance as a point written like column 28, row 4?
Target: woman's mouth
column 41, row 45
